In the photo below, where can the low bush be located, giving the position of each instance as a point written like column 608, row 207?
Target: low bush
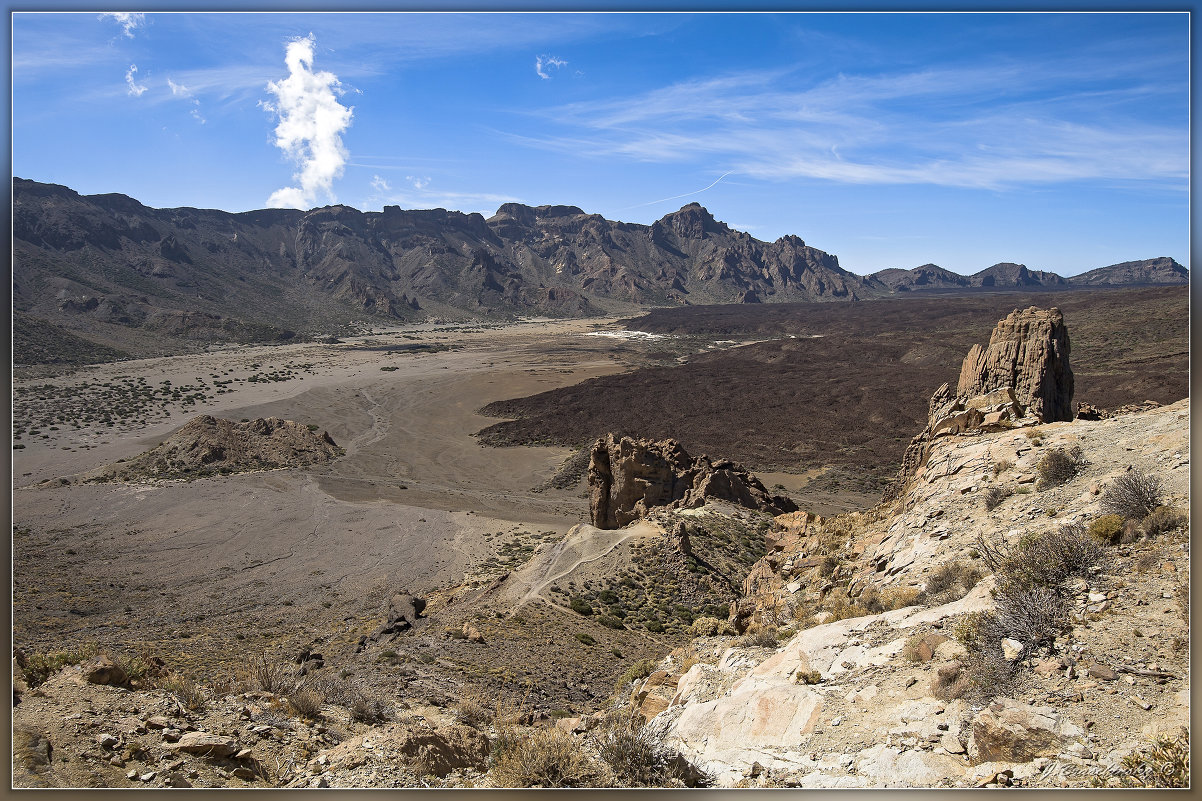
column 580, row 606
column 709, row 627
column 306, row 702
column 186, row 690
column 1162, row 520
column 611, row 622
column 471, row 710
column 949, row 582
column 1107, row 529
column 1132, row 495
column 367, row 709
column 585, row 638
column 1058, row 465
column 42, row 665
column 1166, row 764
column 544, row 758
column 639, row 670
column 994, row 495
column 759, row 638
column 634, row 754
column 270, row 675
column 1001, row 466
column 1047, row 559
column 807, row 677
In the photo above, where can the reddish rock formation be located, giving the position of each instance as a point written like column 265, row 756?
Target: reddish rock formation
column 627, row 477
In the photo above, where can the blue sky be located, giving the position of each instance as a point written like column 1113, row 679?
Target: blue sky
column 1060, row 141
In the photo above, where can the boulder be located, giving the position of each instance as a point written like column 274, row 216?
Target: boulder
column 1011, row 731
column 400, row 615
column 202, row 742
column 627, row 477
column 103, row 670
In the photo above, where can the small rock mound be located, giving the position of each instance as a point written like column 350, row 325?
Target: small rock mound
column 628, row 476
column 209, row 445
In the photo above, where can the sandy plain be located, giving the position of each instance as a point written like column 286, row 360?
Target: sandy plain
column 410, row 506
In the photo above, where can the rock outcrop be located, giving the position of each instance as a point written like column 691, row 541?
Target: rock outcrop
column 1022, row 377
column 208, row 445
column 628, row 476
column 1027, row 353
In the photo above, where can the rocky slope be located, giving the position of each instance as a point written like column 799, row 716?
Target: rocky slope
column 128, row 277
column 863, row 701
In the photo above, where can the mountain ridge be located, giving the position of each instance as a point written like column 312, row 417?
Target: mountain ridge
column 126, row 276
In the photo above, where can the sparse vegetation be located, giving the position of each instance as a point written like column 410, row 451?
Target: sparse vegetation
column 585, row 638
column 1165, row 764
column 1132, row 495
column 306, row 702
column 269, row 674
column 544, row 758
column 1107, row 529
column 763, row 637
column 1058, row 465
column 635, row 756
column 187, row 690
column 994, row 495
column 42, row 665
column 949, row 582
column 1162, row 520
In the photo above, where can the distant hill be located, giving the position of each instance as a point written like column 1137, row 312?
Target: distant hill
column 1161, row 271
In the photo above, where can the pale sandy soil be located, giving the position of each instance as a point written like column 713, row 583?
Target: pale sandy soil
column 407, row 507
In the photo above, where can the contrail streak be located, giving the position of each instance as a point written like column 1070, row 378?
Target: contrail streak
column 678, row 197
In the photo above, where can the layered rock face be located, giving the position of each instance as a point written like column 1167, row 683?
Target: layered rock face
column 627, row 477
column 1027, row 353
column 1022, row 377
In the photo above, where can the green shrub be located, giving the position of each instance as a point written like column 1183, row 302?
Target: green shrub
column 1132, row 495
column 40, row 666
column 807, row 677
column 709, row 627
column 1058, row 465
column 611, row 622
column 580, row 606
column 585, row 638
column 639, row 670
column 1107, row 529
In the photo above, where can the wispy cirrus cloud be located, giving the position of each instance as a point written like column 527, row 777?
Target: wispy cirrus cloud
column 128, row 20
column 311, row 122
column 132, row 86
column 543, row 63
column 988, row 126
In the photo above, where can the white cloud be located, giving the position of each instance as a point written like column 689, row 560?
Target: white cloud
column 542, row 62
column 135, row 89
column 418, row 183
column 992, row 126
column 128, row 20
column 379, row 184
column 178, row 89
column 310, row 128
